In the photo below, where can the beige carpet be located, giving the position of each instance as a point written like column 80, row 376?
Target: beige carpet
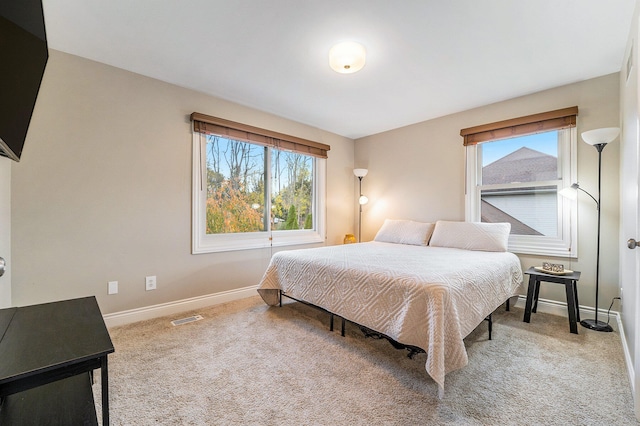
column 249, row 364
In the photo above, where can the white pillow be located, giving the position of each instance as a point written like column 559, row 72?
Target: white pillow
column 404, row 232
column 471, row 235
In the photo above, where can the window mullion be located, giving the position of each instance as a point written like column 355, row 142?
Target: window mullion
column 315, row 186
column 267, row 193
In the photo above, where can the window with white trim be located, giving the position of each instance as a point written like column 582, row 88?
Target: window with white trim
column 254, row 188
column 515, row 175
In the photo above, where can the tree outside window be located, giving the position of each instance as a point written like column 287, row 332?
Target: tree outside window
column 236, row 193
column 255, row 188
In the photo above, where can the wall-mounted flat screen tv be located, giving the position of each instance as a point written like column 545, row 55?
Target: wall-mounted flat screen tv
column 23, row 57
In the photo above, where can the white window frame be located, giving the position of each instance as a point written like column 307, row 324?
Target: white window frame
column 201, row 242
column 565, row 244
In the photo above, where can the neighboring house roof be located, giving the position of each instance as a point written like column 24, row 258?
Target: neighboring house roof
column 492, row 214
column 523, row 165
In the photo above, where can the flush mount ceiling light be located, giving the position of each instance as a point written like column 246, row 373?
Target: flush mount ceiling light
column 347, row 57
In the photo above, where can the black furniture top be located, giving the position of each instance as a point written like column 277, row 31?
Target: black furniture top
column 44, row 343
column 554, row 278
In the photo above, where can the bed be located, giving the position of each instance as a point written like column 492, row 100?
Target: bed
column 422, row 285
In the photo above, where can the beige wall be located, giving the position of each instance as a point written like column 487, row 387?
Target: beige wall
column 417, row 172
column 103, row 191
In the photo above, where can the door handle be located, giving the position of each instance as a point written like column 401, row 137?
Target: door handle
column 633, row 243
column 3, row 265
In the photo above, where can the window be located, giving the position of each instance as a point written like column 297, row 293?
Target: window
column 254, row 188
column 515, row 170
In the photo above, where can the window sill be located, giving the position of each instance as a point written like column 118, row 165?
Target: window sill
column 223, row 243
column 551, row 249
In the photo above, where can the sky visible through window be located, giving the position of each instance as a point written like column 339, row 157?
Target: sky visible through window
column 546, row 142
column 255, row 163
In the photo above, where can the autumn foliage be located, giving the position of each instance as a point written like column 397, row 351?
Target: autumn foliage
column 230, row 211
column 236, row 188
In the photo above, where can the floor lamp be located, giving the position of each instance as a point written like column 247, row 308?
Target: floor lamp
column 598, row 138
column 360, row 173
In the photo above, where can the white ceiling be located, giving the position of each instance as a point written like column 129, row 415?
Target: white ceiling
column 425, row 58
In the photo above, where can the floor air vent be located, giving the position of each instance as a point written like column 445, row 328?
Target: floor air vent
column 186, row 320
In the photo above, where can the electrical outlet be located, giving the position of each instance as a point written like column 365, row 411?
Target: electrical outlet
column 620, row 297
column 113, row 287
column 150, row 282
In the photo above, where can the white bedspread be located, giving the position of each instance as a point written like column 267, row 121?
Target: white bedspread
column 429, row 297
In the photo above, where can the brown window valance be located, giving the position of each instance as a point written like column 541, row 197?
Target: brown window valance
column 210, row 125
column 537, row 123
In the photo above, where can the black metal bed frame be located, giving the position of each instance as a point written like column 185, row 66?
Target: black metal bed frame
column 368, row 333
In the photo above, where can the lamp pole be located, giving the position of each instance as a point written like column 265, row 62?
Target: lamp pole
column 360, row 206
column 594, row 324
column 360, row 173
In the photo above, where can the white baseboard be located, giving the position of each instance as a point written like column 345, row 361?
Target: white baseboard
column 627, row 358
column 149, row 312
column 170, row 308
column 560, row 308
